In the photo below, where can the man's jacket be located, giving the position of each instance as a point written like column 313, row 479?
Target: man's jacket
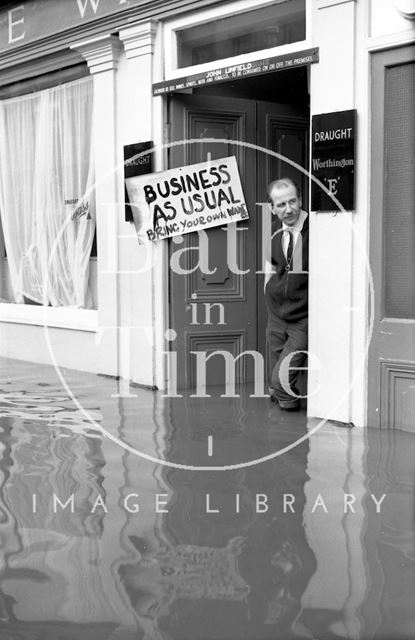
column 286, row 293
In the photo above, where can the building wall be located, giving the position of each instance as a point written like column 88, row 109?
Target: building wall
column 133, row 296
column 340, row 288
column 128, row 310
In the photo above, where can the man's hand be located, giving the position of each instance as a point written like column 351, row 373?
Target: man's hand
column 269, row 271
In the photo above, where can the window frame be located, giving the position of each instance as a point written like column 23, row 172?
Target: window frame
column 34, row 314
column 170, row 40
column 49, row 317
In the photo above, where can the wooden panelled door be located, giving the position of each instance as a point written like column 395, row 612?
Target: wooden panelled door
column 217, row 304
column 391, row 399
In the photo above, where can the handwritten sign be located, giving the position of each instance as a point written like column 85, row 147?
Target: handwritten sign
column 178, row 201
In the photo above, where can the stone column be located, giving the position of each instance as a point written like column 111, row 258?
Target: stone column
column 136, row 124
column 331, row 236
column 102, row 54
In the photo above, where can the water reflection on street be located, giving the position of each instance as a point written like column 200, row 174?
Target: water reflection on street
column 100, row 543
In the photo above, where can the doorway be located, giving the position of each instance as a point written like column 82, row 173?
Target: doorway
column 219, row 305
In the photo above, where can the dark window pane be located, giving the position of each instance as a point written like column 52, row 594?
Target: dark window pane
column 399, row 195
column 271, row 26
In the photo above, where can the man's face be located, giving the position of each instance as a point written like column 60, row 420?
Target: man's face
column 286, row 204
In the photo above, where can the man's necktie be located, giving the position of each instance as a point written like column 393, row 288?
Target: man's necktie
column 290, row 247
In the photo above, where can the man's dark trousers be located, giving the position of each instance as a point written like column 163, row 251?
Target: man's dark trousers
column 285, row 338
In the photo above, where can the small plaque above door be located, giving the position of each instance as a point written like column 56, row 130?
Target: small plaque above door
column 238, row 71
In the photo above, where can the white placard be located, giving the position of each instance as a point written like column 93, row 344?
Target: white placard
column 186, row 199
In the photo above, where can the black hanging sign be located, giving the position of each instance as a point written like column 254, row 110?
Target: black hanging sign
column 238, row 71
column 333, row 160
column 136, row 166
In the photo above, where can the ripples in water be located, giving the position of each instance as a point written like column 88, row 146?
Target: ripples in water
column 97, row 542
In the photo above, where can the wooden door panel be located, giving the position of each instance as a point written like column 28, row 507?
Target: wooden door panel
column 196, row 119
column 397, row 395
column 217, row 282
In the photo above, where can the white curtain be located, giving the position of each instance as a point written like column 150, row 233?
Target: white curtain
column 47, row 200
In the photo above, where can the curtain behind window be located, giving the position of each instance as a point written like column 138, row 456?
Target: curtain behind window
column 47, row 202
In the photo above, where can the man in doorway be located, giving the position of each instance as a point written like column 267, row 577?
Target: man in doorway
column 286, row 292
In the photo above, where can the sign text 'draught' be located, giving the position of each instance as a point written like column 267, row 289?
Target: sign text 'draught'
column 333, row 160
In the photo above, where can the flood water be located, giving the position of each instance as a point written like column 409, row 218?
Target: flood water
column 100, row 540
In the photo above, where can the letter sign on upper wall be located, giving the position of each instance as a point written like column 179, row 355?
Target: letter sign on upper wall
column 24, row 22
column 333, row 160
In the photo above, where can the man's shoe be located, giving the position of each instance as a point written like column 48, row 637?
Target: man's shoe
column 293, row 405
column 290, row 406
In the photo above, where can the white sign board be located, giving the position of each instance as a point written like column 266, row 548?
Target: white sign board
column 186, row 199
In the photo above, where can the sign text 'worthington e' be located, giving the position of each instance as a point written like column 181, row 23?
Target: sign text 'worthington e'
column 333, row 160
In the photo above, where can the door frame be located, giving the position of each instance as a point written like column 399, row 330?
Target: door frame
column 381, row 372
column 293, row 117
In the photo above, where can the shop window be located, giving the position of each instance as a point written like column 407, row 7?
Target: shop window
column 47, row 203
column 275, row 25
